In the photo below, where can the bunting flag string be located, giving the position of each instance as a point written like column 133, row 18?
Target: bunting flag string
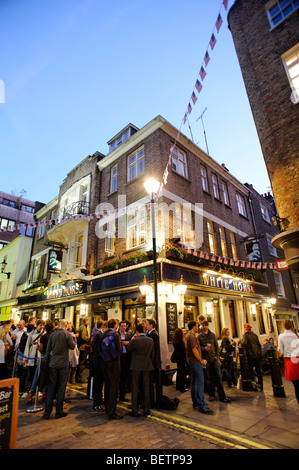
column 198, row 87
column 207, row 57
column 258, row 265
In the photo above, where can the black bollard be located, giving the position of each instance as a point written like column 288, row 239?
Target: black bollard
column 277, row 385
column 245, row 372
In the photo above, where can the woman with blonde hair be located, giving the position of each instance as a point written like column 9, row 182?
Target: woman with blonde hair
column 227, row 352
column 6, row 345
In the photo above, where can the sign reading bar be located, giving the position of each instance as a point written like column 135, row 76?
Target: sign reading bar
column 227, row 284
column 9, row 403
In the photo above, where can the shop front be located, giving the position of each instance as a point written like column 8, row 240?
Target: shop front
column 59, row 301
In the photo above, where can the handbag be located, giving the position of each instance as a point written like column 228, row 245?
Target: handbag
column 174, row 357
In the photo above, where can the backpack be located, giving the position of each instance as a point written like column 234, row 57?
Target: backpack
column 166, row 403
column 108, row 347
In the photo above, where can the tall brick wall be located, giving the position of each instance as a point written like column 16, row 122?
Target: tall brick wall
column 259, row 51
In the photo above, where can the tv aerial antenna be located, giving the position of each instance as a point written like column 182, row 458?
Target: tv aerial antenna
column 204, row 131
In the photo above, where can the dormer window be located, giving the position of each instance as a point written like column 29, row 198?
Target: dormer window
column 122, row 137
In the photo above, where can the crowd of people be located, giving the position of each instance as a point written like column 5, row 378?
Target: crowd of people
column 198, row 355
column 45, row 356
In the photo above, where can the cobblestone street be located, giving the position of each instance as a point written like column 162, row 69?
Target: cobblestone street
column 253, row 420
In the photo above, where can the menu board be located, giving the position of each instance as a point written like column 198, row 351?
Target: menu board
column 172, row 321
column 9, row 402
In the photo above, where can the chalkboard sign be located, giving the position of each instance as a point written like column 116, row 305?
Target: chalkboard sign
column 9, row 402
column 172, row 321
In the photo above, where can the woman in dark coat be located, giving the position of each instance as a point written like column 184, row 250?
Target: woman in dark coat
column 180, row 359
column 227, row 349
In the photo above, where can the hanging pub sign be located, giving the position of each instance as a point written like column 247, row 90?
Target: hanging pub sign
column 54, row 261
column 253, row 251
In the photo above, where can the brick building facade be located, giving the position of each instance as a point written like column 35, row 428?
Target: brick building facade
column 266, row 38
column 203, row 218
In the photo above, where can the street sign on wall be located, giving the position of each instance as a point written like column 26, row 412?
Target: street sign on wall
column 281, row 264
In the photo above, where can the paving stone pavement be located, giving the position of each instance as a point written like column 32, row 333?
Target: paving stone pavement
column 253, row 420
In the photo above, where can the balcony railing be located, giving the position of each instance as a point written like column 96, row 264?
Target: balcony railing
column 76, row 208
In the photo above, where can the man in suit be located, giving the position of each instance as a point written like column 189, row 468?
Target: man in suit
column 155, row 376
column 142, row 350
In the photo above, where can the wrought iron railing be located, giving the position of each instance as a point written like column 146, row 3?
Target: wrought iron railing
column 76, row 208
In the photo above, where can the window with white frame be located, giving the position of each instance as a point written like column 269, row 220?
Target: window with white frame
column 279, row 284
column 113, row 179
column 265, row 214
column 36, row 269
column 84, row 193
column 183, row 225
column 6, row 224
column 291, row 64
column 271, row 248
column 110, row 238
column 204, row 178
column 41, row 229
column 225, row 193
column 277, row 11
column 46, row 260
column 241, row 204
column 215, row 186
column 222, row 241
column 233, row 245
column 179, row 162
column 79, row 251
column 136, row 164
column 136, row 228
column 75, row 252
column 211, row 236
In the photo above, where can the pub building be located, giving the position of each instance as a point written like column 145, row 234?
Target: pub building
column 93, row 251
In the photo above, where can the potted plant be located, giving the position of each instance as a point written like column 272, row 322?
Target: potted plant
column 176, row 253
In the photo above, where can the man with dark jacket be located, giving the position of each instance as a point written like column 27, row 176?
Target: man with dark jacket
column 253, row 349
column 111, row 371
column 143, row 352
column 155, row 375
column 210, row 352
column 98, row 369
column 57, row 357
column 124, row 382
column 82, row 341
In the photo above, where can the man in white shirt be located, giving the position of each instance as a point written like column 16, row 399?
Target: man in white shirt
column 18, row 333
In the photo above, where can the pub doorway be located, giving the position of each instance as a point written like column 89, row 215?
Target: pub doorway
column 134, row 310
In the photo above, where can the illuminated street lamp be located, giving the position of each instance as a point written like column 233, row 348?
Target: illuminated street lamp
column 181, row 287
column 152, row 187
column 272, row 301
column 145, row 288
